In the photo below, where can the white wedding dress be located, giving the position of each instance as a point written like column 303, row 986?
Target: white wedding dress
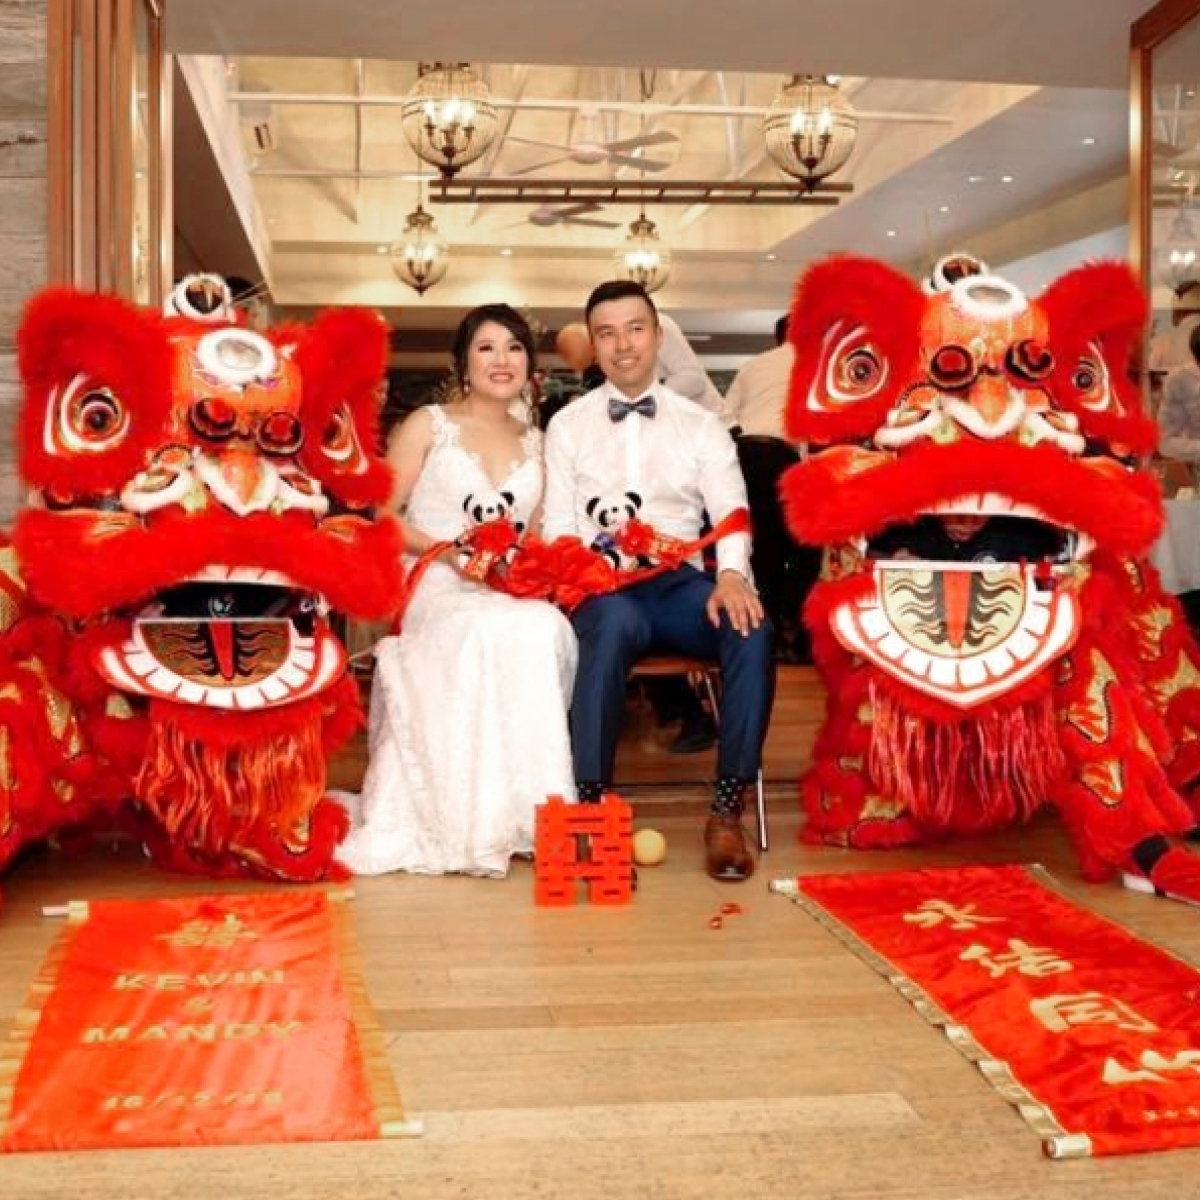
column 468, row 725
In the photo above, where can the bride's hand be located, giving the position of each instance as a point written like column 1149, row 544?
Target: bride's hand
column 456, row 555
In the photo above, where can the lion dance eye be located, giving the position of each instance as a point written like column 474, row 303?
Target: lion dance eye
column 861, row 370
column 1030, row 360
column 1090, row 381
column 90, row 417
column 98, row 415
column 856, row 371
column 953, row 368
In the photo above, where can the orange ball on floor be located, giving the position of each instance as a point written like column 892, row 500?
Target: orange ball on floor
column 649, row 847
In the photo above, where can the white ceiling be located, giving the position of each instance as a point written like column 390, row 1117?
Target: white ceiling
column 955, row 97
column 1072, row 43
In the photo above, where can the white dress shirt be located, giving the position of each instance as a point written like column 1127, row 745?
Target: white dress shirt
column 681, row 463
column 683, row 372
column 758, row 394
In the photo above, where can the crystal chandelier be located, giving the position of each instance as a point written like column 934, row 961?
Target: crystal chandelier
column 1177, row 258
column 448, row 116
column 643, row 258
column 420, row 255
column 810, row 129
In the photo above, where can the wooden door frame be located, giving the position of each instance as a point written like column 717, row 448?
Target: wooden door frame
column 92, row 101
column 1148, row 32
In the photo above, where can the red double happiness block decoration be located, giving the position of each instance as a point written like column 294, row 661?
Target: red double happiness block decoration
column 1092, row 1033
column 583, row 844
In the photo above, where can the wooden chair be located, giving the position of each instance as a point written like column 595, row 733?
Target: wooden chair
column 705, row 677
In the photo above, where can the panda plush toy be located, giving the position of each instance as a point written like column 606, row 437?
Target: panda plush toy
column 482, row 507
column 610, row 514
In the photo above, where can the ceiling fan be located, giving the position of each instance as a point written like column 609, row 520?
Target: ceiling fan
column 588, row 150
column 547, row 216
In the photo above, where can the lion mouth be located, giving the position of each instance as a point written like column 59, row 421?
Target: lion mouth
column 228, row 601
column 965, row 602
column 984, row 528
column 235, row 638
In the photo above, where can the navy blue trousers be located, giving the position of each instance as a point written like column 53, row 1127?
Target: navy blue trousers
column 665, row 615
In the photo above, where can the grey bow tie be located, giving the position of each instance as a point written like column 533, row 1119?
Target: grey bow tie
column 618, row 410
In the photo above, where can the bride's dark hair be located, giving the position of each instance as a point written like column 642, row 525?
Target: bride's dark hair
column 501, row 314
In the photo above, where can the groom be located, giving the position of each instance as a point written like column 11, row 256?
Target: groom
column 633, row 435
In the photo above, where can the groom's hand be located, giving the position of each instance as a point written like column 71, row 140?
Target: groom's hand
column 738, row 599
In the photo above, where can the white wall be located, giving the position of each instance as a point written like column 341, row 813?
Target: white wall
column 1034, row 273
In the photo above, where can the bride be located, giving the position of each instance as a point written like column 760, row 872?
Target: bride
column 468, row 725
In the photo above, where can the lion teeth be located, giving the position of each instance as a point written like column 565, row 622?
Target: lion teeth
column 971, row 672
column 165, row 683
column 292, row 675
column 987, row 504
column 219, row 573
column 141, row 663
column 1022, row 643
column 274, row 689
column 1037, row 618
column 874, row 623
column 943, row 672
column 998, row 662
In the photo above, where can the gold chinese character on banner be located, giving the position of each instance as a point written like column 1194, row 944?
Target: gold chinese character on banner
column 1154, row 1067
column 210, row 933
column 931, row 913
column 1021, row 957
column 1058, row 1013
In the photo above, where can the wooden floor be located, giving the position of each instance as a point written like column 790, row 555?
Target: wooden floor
column 633, row 1052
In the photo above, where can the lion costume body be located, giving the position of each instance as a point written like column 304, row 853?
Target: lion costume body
column 200, row 497
column 987, row 624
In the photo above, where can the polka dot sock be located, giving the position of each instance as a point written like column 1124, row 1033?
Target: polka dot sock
column 589, row 793
column 729, row 797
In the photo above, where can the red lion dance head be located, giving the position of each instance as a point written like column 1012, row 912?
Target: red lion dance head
column 990, row 634
column 202, row 496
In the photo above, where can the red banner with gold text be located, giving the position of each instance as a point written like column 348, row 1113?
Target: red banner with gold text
column 1091, row 1032
column 208, row 1020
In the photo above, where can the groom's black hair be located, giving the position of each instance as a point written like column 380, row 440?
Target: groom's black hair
column 617, row 289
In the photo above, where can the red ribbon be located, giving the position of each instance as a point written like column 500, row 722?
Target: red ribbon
column 639, row 540
column 565, row 571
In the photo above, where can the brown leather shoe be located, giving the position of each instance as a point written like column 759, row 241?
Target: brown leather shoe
column 727, row 856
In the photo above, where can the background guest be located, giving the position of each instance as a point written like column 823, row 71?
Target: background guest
column 758, row 394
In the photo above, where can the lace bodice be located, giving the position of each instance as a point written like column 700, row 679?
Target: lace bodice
column 453, row 481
